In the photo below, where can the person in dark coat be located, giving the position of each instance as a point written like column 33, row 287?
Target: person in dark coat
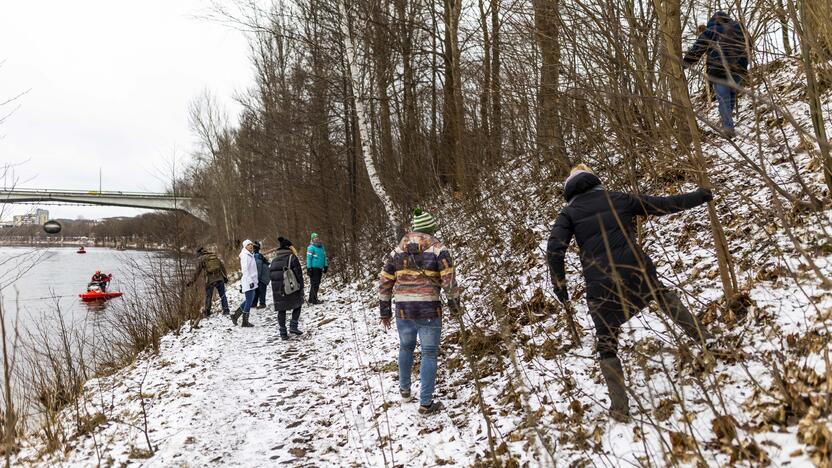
column 724, row 41
column 286, row 259
column 263, row 277
column 215, row 278
column 620, row 278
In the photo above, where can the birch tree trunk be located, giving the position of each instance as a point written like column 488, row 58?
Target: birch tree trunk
column 364, row 124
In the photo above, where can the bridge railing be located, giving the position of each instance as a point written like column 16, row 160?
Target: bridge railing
column 88, row 192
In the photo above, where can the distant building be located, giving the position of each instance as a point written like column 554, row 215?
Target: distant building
column 38, row 218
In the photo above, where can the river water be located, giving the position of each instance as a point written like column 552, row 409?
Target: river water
column 55, row 276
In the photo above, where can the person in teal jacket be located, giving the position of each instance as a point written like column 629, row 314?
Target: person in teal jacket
column 317, row 266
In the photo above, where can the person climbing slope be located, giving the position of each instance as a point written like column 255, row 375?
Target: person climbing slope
column 620, row 278
column 317, row 265
column 415, row 273
column 287, row 287
column 248, row 283
column 215, row 278
column 724, row 40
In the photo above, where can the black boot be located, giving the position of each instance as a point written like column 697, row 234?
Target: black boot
column 293, row 324
column 281, row 324
column 614, row 376
column 681, row 316
column 246, row 322
column 237, row 313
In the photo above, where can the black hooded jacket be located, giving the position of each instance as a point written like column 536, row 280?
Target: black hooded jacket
column 603, row 225
column 724, row 42
column 284, row 258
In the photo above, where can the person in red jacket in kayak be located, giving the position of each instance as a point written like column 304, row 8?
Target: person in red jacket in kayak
column 101, row 280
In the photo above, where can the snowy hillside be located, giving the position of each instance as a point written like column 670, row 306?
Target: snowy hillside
column 223, row 396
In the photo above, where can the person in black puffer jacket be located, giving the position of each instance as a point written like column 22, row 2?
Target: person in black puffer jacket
column 620, row 278
column 285, row 258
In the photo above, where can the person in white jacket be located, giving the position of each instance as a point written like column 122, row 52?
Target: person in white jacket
column 248, row 267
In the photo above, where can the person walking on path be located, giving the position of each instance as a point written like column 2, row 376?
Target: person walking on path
column 620, row 278
column 317, row 265
column 248, row 283
column 286, row 277
column 262, row 277
column 724, row 40
column 215, row 278
column 414, row 274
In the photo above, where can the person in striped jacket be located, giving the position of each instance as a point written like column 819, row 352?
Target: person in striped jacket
column 415, row 274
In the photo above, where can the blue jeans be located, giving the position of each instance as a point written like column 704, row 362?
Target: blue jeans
column 249, row 300
column 726, row 98
column 209, row 296
column 429, row 332
column 260, row 294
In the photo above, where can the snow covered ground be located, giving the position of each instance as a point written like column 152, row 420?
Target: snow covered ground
column 224, row 396
column 221, row 395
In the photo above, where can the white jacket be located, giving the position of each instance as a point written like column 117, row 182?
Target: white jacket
column 249, row 269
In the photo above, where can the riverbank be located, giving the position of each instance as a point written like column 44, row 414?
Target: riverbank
column 86, row 242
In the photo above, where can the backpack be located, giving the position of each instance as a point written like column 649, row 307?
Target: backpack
column 290, row 282
column 212, row 263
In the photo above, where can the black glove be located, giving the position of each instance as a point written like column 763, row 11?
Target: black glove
column 707, row 194
column 326, row 268
column 251, row 286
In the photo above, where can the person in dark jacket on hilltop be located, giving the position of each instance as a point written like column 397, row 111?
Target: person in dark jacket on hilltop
column 620, row 278
column 414, row 274
column 263, row 277
column 724, row 40
column 286, row 260
column 317, row 265
column 215, row 278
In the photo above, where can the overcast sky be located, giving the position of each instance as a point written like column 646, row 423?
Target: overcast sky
column 108, row 84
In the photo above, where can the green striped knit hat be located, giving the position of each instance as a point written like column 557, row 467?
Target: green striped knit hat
column 423, row 222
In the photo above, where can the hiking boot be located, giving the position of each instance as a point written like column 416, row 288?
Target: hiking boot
column 284, row 336
column 246, row 322
column 407, row 397
column 295, row 331
column 614, row 377
column 236, row 315
column 433, row 408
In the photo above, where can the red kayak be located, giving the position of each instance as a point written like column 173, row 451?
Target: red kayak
column 98, row 296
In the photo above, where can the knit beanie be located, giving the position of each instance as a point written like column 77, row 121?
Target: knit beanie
column 284, row 243
column 423, row 222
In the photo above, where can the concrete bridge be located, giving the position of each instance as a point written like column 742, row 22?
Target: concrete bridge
column 153, row 201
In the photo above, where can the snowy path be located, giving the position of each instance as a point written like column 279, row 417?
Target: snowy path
column 227, row 396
